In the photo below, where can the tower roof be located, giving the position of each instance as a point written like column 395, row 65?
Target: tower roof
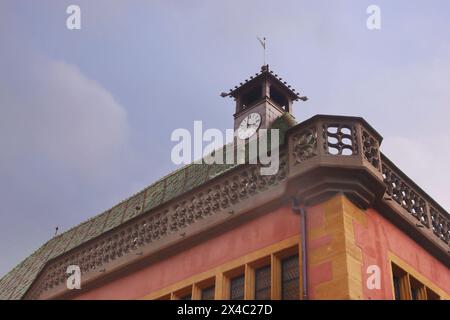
column 264, row 74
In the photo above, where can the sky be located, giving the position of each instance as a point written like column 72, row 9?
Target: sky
column 86, row 115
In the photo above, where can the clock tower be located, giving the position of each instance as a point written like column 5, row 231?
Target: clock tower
column 260, row 100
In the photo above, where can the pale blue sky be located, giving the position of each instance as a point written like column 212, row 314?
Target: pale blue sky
column 86, row 116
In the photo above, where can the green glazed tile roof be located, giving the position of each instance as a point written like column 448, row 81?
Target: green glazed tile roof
column 15, row 284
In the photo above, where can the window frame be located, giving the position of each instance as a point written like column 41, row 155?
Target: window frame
column 177, row 295
column 198, row 287
column 411, row 279
column 264, row 264
column 230, row 275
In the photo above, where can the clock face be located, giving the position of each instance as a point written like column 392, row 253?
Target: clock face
column 249, row 125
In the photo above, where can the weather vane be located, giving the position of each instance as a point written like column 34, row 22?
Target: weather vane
column 263, row 44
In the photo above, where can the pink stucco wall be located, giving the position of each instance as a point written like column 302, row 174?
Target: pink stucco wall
column 381, row 237
column 376, row 240
column 253, row 235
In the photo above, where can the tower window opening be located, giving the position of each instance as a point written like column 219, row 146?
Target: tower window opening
column 251, row 97
column 278, row 97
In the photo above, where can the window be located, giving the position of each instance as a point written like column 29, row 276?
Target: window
column 269, row 273
column 397, row 290
column 183, row 294
column 278, row 97
column 401, row 283
column 237, row 288
column 251, row 97
column 290, row 278
column 186, row 297
column 418, row 290
column 262, row 283
column 431, row 295
column 407, row 287
column 208, row 293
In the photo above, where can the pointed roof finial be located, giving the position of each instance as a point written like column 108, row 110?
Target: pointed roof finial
column 263, row 44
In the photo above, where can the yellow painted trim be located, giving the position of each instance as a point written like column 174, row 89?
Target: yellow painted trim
column 249, row 290
column 221, row 273
column 196, row 292
column 275, row 277
column 200, row 286
column 411, row 271
column 218, row 294
column 183, row 292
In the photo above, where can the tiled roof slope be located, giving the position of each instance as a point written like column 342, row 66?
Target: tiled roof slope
column 15, row 284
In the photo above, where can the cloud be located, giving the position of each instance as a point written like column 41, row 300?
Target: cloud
column 64, row 146
column 419, row 97
column 50, row 108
